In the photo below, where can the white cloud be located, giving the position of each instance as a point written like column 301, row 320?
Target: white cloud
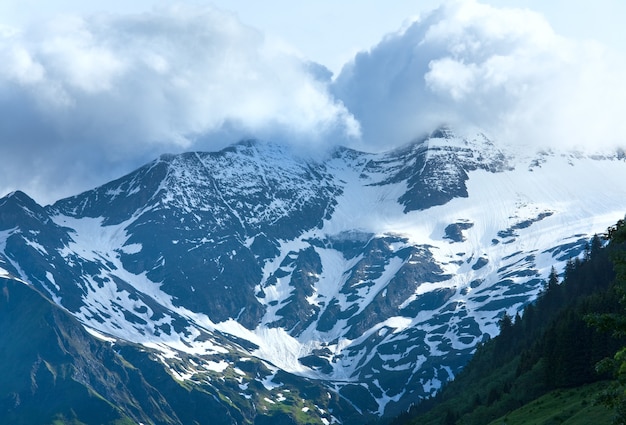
column 503, row 71
column 453, row 77
column 89, row 94
column 84, row 100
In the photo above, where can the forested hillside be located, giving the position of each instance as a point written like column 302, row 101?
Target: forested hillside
column 556, row 344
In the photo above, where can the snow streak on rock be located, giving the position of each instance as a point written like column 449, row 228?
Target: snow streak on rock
column 376, row 274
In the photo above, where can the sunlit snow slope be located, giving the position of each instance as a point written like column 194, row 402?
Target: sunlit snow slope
column 376, row 274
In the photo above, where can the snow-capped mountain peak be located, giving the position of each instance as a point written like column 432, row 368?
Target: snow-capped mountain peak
column 376, row 274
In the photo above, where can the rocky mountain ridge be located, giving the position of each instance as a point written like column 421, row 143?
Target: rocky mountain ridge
column 373, row 276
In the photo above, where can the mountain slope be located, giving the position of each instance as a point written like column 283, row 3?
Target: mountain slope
column 574, row 406
column 53, row 369
column 550, row 347
column 374, row 275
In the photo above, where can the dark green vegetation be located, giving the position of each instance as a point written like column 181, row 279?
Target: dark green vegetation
column 549, row 356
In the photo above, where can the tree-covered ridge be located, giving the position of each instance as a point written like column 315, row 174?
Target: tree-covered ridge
column 551, row 346
column 615, row 395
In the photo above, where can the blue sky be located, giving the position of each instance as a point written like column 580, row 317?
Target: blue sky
column 91, row 90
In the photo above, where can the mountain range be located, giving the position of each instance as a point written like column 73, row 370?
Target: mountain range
column 259, row 284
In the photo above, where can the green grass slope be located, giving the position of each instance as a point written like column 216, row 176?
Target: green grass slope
column 50, row 367
column 576, row 406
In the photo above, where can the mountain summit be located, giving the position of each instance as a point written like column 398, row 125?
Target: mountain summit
column 360, row 282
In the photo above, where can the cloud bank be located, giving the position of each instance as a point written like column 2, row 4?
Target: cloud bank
column 84, row 100
column 502, row 71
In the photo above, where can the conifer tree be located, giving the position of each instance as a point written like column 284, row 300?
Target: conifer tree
column 616, row 398
column 553, row 279
column 596, row 244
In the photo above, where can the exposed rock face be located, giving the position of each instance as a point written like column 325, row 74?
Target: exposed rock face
column 364, row 279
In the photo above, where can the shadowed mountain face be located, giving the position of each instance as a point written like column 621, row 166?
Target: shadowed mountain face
column 52, row 368
column 360, row 282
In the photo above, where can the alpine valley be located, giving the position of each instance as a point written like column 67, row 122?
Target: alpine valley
column 262, row 285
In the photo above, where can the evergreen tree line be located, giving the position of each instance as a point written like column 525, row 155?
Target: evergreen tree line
column 550, row 346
